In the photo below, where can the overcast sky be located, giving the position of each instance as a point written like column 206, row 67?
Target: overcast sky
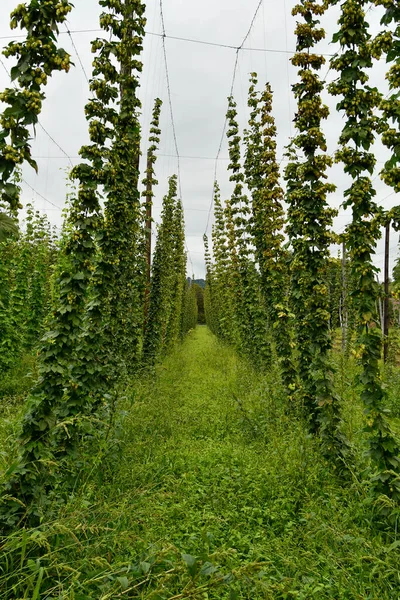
column 200, row 78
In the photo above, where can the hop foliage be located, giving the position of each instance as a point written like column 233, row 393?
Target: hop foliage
column 359, row 103
column 37, row 57
column 267, row 219
column 167, row 316
column 27, row 258
column 309, row 223
column 73, row 363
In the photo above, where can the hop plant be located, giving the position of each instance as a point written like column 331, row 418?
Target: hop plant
column 309, row 223
column 37, row 57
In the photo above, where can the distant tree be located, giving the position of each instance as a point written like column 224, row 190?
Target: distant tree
column 200, row 282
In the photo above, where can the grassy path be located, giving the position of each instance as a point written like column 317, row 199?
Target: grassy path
column 210, row 491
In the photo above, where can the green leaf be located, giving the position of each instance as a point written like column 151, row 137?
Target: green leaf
column 191, row 563
column 145, row 567
column 38, row 584
column 124, row 582
column 208, row 569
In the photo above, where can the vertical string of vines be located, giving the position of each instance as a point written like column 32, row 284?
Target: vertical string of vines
column 262, row 176
column 222, row 307
column 37, row 58
column 44, row 247
column 71, row 365
column 174, row 329
column 234, row 228
column 190, row 309
column 233, row 281
column 33, row 258
column 121, row 266
column 388, row 43
column 109, row 346
column 9, row 333
column 162, row 280
column 309, row 223
column 76, row 349
column 149, row 181
column 250, row 315
column 210, row 307
column 207, row 258
column 358, row 103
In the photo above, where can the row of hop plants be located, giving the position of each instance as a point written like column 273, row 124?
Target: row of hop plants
column 277, row 297
column 27, row 260
column 106, row 314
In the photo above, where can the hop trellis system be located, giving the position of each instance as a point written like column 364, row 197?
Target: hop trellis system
column 272, row 287
column 296, row 280
column 95, row 328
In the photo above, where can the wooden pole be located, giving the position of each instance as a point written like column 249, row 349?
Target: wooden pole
column 386, row 300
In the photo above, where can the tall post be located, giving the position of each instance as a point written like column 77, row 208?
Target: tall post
column 386, row 300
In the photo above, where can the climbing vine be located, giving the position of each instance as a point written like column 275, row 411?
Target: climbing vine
column 167, row 280
column 27, row 257
column 149, row 181
column 244, row 280
column 309, row 223
column 121, row 269
column 262, row 176
column 34, row 256
column 37, row 57
column 388, row 43
column 178, row 277
column 210, row 297
column 190, row 309
column 73, row 358
column 219, row 298
column 358, row 103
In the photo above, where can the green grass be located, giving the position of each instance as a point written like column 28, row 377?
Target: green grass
column 14, row 387
column 209, row 488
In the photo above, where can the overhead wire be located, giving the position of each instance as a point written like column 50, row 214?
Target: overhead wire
column 169, row 93
column 165, row 36
column 78, row 56
column 55, row 143
column 172, row 117
column 186, row 156
column 41, row 195
column 251, row 24
column 235, row 67
column 229, row 46
column 184, row 39
column 288, row 72
column 151, row 89
column 265, row 43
